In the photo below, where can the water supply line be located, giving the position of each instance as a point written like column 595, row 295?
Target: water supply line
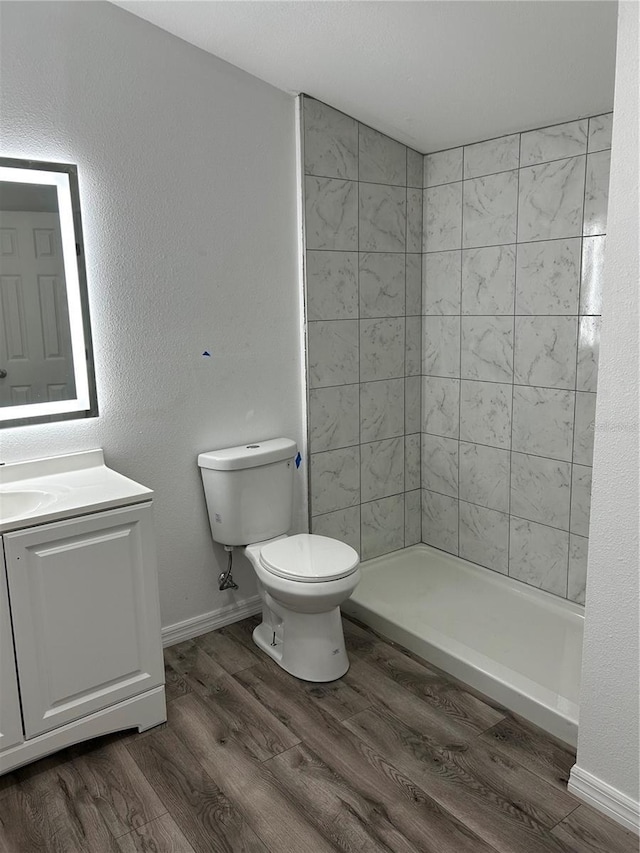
column 225, row 579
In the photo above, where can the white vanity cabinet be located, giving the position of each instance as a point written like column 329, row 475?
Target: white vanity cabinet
column 80, row 638
column 85, row 618
column 10, row 720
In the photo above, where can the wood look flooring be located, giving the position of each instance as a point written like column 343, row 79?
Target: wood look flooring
column 395, row 756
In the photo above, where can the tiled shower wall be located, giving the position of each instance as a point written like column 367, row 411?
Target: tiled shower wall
column 363, row 238
column 513, row 240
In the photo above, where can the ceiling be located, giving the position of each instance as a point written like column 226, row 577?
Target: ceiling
column 433, row 74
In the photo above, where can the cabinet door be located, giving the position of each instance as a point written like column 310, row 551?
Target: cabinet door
column 85, row 611
column 10, row 720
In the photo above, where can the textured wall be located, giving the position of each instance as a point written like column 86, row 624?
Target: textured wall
column 363, row 224
column 514, row 240
column 187, row 171
column 609, row 703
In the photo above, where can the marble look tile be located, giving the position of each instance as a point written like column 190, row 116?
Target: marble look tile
column 443, row 167
column 543, row 421
column 413, row 346
column 550, row 200
column 495, row 155
column 414, row 220
column 440, row 406
column 441, row 346
column 332, row 285
column 382, row 529
column 331, row 214
column 335, row 480
column 485, row 413
column 484, row 476
column 382, row 468
column 333, row 418
column 488, row 280
column 580, row 499
column 600, row 132
column 412, row 519
column 381, row 409
column 343, row 524
column 541, row 489
column 439, row 461
column 484, row 537
column 382, row 159
column 487, row 348
column 578, row 553
column 596, row 195
column 584, row 428
column 381, row 349
column 548, row 277
column 415, row 168
column 330, row 142
column 413, row 285
column 554, row 143
column 441, row 283
column 412, row 404
column 591, row 285
column 333, row 352
column 382, row 218
column 588, row 353
column 382, row 284
column 412, row 462
column 490, row 210
column 443, row 218
column 440, row 521
column 545, row 351
column 538, row 555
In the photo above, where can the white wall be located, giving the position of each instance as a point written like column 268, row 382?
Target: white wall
column 187, row 171
column 609, row 715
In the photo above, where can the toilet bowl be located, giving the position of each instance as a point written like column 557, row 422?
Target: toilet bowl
column 302, row 581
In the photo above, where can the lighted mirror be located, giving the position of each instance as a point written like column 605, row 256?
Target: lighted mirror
column 46, row 361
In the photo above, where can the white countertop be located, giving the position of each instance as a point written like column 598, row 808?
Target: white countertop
column 42, row 490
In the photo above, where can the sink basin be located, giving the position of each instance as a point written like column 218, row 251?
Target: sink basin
column 17, row 502
column 62, row 487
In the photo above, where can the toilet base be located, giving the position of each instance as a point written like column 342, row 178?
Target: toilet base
column 309, row 646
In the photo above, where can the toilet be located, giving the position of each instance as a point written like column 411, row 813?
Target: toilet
column 302, row 579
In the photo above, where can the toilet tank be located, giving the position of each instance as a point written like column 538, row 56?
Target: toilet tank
column 249, row 490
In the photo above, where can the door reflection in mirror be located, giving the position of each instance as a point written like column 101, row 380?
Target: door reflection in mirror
column 46, row 368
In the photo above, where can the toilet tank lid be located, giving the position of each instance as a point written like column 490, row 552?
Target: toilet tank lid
column 248, row 455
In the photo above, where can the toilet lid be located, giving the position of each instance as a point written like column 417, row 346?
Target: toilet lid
column 309, row 558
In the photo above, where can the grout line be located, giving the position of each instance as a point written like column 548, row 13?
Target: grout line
column 496, row 245
column 358, row 181
column 460, row 332
column 404, row 384
column 513, row 364
column 575, row 399
column 501, row 512
column 586, row 118
column 466, row 316
column 517, row 384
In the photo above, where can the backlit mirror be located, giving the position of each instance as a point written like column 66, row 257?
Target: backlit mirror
column 46, row 361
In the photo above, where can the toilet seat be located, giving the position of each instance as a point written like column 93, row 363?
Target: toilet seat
column 309, row 558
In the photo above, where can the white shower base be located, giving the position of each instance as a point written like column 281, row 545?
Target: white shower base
column 518, row 645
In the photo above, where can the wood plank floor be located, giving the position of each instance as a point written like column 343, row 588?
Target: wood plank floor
column 395, row 756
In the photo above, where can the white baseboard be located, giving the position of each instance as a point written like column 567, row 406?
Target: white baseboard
column 190, row 628
column 605, row 798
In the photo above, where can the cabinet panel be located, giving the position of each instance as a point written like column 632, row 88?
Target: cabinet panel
column 10, row 719
column 86, row 618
